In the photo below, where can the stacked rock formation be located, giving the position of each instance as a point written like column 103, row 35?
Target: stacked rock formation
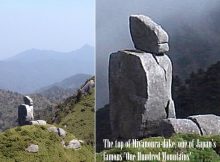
column 26, row 112
column 140, row 82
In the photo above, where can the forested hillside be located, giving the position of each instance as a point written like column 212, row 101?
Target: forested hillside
column 200, row 94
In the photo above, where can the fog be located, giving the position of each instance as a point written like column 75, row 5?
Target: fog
column 112, row 30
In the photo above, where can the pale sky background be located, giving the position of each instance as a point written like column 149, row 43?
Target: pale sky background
column 60, row 25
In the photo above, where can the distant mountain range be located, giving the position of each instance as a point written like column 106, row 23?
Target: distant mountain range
column 33, row 69
column 59, row 91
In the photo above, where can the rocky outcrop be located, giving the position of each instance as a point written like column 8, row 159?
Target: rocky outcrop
column 87, row 87
column 32, row 148
column 171, row 126
column 25, row 112
column 147, row 35
column 140, row 82
column 198, row 124
column 208, row 124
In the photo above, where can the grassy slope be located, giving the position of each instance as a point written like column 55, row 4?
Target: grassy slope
column 198, row 154
column 14, row 141
column 79, row 117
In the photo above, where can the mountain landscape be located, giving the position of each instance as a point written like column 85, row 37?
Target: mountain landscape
column 74, row 115
column 33, row 69
column 59, row 91
column 45, row 100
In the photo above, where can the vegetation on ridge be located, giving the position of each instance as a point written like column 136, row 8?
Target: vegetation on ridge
column 13, row 143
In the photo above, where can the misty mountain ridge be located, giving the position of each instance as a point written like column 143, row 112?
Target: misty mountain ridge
column 194, row 41
column 59, row 91
column 38, row 54
column 34, row 69
column 72, row 82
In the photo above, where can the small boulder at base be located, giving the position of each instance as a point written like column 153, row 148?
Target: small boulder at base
column 209, row 124
column 172, row 126
column 38, row 122
column 32, row 148
column 59, row 131
column 74, row 144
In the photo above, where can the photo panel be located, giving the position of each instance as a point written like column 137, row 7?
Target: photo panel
column 157, row 90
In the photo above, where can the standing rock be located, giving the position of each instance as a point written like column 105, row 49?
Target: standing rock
column 25, row 112
column 140, row 93
column 147, row 35
column 209, row 124
column 32, row 148
column 171, row 126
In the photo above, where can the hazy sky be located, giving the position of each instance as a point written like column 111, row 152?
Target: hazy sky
column 62, row 25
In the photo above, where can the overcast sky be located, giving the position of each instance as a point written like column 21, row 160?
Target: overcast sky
column 62, row 25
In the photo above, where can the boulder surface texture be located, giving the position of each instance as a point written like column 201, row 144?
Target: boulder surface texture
column 140, row 93
column 147, row 35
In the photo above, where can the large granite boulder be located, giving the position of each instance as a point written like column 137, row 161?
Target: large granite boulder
column 147, row 35
column 171, row 126
column 209, row 124
column 140, row 93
